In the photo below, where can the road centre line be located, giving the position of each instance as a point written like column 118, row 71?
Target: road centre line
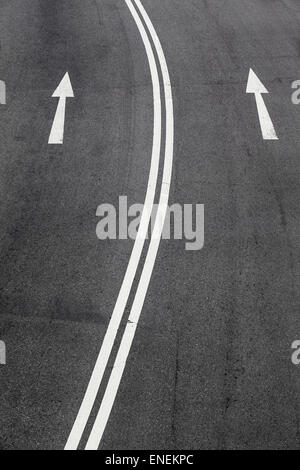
column 128, row 336
column 116, row 318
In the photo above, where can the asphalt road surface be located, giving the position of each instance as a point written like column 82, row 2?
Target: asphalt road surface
column 210, row 364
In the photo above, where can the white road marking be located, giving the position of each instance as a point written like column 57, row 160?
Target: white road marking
column 109, row 339
column 2, row 92
column 2, row 353
column 126, row 343
column 63, row 91
column 255, row 86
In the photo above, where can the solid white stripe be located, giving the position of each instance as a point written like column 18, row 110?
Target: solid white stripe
column 126, row 343
column 266, row 124
column 58, row 126
column 102, row 360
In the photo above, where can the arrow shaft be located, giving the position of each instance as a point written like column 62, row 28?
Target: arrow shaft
column 58, row 127
column 267, row 127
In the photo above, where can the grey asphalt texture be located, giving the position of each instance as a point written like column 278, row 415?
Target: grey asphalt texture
column 210, row 366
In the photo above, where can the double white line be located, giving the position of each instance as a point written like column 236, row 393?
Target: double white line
column 138, row 12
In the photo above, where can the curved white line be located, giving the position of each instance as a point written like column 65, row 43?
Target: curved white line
column 126, row 343
column 108, row 342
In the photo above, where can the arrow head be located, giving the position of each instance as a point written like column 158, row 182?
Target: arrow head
column 254, row 84
column 64, row 89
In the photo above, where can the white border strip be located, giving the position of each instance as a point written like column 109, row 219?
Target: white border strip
column 126, row 343
column 109, row 339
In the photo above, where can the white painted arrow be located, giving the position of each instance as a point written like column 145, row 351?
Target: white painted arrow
column 63, row 91
column 255, row 86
